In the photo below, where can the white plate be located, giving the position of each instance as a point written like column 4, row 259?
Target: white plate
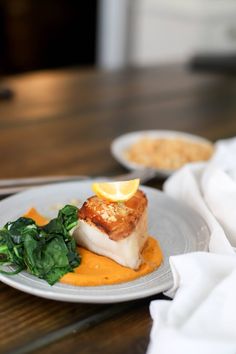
column 178, row 229
column 123, row 142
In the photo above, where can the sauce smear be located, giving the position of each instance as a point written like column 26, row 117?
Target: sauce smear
column 96, row 270
column 32, row 213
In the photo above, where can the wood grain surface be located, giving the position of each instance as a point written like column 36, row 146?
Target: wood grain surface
column 62, row 122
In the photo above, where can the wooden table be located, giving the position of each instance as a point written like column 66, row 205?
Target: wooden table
column 62, row 122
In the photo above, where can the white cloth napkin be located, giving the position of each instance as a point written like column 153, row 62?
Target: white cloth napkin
column 201, row 318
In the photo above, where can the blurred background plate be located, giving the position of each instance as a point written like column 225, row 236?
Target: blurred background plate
column 120, row 145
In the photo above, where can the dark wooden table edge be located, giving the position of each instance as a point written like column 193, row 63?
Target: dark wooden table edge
column 84, row 324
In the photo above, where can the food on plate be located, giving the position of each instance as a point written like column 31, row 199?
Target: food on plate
column 115, row 230
column 96, row 270
column 47, row 251
column 168, row 153
column 114, row 245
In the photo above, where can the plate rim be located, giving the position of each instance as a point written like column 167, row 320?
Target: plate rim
column 84, row 298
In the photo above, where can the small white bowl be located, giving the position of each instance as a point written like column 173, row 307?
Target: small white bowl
column 124, row 142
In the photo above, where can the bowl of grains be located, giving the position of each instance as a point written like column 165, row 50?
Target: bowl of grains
column 162, row 150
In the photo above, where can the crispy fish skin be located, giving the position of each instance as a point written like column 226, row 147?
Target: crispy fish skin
column 114, row 230
column 117, row 220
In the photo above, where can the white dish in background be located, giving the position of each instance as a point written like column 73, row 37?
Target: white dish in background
column 123, row 142
column 177, row 228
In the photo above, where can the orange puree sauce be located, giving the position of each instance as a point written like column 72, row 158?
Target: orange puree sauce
column 96, row 270
column 33, row 214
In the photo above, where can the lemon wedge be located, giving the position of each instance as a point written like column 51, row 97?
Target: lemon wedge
column 116, row 191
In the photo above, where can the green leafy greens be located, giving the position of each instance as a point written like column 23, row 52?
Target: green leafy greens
column 47, row 252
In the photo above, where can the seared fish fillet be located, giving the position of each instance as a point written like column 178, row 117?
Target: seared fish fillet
column 115, row 230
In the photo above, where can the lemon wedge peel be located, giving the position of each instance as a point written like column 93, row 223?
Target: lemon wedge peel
column 120, row 191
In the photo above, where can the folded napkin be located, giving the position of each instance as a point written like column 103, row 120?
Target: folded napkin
column 202, row 316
